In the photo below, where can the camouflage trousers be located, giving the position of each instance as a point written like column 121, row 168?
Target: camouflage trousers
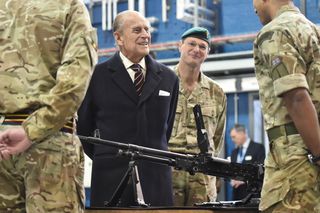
column 291, row 182
column 48, row 177
column 190, row 189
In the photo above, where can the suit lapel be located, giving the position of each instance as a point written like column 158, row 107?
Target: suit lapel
column 152, row 79
column 249, row 150
column 121, row 77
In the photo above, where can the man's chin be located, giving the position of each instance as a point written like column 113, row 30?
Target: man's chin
column 195, row 61
column 144, row 52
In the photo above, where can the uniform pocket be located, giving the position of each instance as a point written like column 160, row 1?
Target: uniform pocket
column 273, row 192
column 288, row 149
column 207, row 112
column 51, row 166
column 275, row 183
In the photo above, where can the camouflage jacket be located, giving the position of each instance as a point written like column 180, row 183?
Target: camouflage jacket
column 213, row 106
column 47, row 53
column 287, row 56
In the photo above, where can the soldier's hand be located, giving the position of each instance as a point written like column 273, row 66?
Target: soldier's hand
column 236, row 183
column 13, row 141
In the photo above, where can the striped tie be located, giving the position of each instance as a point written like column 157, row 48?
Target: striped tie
column 138, row 78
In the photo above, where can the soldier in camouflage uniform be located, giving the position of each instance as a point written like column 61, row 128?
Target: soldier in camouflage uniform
column 47, row 53
column 196, row 88
column 287, row 60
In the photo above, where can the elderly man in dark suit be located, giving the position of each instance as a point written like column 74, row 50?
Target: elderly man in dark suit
column 246, row 151
column 131, row 99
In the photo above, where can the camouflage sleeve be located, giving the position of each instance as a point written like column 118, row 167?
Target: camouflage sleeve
column 218, row 137
column 287, row 67
column 78, row 56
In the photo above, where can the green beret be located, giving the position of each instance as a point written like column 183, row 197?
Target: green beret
column 197, row 32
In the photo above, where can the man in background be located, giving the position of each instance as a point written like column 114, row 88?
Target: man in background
column 196, row 88
column 287, row 62
column 131, row 99
column 246, row 151
column 47, row 53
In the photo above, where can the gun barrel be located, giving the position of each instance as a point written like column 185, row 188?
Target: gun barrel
column 133, row 147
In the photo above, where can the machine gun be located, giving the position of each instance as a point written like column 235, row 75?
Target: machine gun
column 192, row 163
column 203, row 162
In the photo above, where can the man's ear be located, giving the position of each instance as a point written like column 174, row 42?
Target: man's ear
column 118, row 38
column 209, row 49
column 180, row 44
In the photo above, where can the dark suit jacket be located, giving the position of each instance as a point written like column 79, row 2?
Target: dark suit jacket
column 255, row 155
column 112, row 106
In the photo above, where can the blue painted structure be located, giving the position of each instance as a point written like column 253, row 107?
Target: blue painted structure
column 234, row 17
column 238, row 17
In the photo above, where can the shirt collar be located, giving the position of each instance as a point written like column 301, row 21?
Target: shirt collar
column 127, row 63
column 246, row 144
column 286, row 8
column 204, row 83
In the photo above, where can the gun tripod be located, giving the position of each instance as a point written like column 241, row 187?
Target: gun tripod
column 132, row 176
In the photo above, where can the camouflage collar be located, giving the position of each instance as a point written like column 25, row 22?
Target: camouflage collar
column 203, row 82
column 287, row 8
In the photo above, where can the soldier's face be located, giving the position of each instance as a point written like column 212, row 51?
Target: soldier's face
column 134, row 37
column 238, row 138
column 261, row 8
column 193, row 51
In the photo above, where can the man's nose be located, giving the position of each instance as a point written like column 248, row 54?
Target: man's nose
column 146, row 34
column 196, row 48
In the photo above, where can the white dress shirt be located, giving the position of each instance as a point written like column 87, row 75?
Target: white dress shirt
column 244, row 150
column 127, row 64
